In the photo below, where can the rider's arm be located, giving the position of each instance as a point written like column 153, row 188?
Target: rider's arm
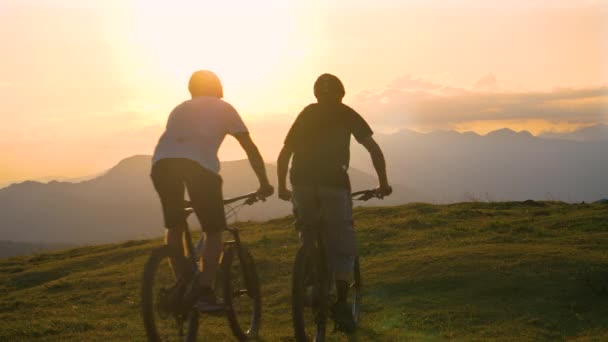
column 295, row 137
column 282, row 166
column 256, row 161
column 379, row 163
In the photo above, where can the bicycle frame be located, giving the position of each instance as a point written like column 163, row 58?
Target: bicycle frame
column 313, row 253
column 365, row 195
column 176, row 301
column 249, row 199
column 189, row 245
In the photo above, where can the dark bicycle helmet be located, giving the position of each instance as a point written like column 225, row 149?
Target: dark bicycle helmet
column 329, row 88
column 205, row 83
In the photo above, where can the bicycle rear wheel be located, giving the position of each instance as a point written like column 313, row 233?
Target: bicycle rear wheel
column 161, row 298
column 241, row 292
column 356, row 288
column 310, row 295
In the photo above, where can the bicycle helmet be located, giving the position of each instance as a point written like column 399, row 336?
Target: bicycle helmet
column 329, row 88
column 205, row 83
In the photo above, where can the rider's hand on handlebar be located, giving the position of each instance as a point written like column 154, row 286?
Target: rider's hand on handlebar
column 384, row 190
column 285, row 194
column 265, row 190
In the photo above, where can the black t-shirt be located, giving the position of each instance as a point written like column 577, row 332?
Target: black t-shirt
column 320, row 139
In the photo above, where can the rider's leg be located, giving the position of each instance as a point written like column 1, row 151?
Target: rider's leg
column 167, row 176
column 306, row 210
column 336, row 210
column 174, row 239
column 212, row 250
column 205, row 191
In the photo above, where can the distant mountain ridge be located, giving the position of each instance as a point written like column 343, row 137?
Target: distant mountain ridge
column 443, row 167
column 121, row 204
column 501, row 165
column 595, row 133
column 50, row 179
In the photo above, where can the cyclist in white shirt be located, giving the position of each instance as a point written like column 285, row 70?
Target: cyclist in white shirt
column 185, row 159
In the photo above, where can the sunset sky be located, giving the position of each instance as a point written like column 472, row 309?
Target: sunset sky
column 84, row 84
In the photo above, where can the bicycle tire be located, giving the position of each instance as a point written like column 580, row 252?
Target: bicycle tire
column 149, row 302
column 243, row 276
column 356, row 288
column 308, row 269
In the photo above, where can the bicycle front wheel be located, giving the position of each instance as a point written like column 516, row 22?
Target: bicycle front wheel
column 310, row 295
column 161, row 300
column 241, row 292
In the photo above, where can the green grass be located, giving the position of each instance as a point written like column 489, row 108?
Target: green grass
column 471, row 271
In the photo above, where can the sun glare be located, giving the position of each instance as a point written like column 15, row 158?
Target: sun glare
column 248, row 48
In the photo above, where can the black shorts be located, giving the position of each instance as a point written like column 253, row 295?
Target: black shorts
column 173, row 176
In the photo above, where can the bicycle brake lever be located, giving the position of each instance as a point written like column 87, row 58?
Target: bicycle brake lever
column 372, row 194
column 251, row 200
column 365, row 197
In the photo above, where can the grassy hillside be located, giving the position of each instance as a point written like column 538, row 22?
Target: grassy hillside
column 16, row 248
column 473, row 271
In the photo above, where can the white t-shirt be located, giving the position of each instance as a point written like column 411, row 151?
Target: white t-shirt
column 195, row 130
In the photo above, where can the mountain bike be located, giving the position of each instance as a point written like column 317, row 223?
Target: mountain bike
column 168, row 303
column 312, row 285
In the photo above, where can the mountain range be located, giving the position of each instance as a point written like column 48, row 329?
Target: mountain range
column 440, row 167
column 499, row 166
column 121, row 204
column 597, row 132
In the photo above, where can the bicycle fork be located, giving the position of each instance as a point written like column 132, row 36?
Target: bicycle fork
column 244, row 262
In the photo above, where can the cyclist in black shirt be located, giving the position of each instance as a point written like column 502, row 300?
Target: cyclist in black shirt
column 319, row 141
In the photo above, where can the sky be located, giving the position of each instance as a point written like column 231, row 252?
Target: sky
column 84, row 84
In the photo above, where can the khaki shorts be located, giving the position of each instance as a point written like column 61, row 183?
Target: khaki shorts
column 331, row 209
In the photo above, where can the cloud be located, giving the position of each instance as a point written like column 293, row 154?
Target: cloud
column 410, row 82
column 411, row 102
column 488, row 83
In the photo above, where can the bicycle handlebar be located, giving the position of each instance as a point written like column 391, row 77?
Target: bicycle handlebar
column 249, row 198
column 366, row 195
column 253, row 197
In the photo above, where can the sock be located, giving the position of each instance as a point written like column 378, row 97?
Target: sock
column 342, row 291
